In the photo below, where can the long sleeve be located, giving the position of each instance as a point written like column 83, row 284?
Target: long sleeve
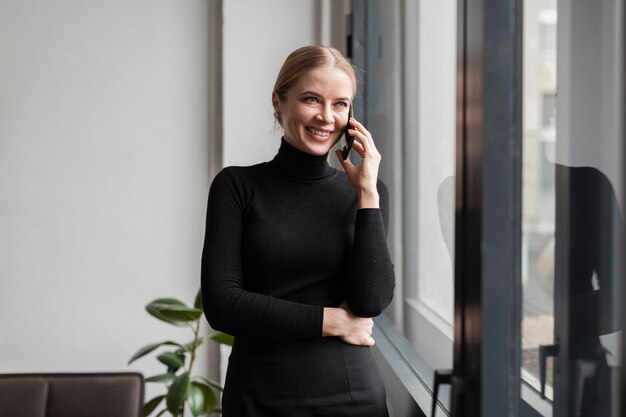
column 371, row 279
column 227, row 305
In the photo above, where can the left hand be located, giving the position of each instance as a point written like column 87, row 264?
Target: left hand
column 365, row 176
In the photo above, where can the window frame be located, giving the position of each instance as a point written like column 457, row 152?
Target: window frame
column 487, row 307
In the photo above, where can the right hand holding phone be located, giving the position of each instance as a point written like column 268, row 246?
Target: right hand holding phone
column 365, row 176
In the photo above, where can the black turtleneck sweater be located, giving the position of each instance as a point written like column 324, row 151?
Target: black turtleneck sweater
column 283, row 240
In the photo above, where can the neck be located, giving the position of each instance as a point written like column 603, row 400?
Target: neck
column 298, row 164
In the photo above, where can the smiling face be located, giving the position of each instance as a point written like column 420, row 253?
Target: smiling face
column 314, row 112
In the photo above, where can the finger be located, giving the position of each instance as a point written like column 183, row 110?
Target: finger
column 355, row 123
column 345, row 163
column 358, row 147
column 362, row 133
column 366, row 142
column 359, row 132
column 362, row 340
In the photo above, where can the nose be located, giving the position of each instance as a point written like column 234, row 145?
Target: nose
column 326, row 115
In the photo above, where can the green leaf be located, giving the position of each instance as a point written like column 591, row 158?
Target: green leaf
column 161, row 413
column 214, row 385
column 195, row 400
column 179, row 313
column 177, row 393
column 223, row 338
column 152, row 404
column 201, row 399
column 172, row 360
column 198, row 302
column 161, row 378
column 153, row 309
column 149, row 348
column 193, row 345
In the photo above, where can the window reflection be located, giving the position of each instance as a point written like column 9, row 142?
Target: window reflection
column 539, row 133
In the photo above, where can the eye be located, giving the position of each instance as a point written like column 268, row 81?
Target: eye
column 311, row 99
column 342, row 104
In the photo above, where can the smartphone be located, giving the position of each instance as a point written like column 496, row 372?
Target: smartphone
column 349, row 139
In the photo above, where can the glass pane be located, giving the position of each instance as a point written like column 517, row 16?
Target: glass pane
column 431, row 294
column 573, row 207
column 436, row 137
column 538, row 191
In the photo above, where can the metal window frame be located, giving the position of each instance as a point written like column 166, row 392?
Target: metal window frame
column 488, row 212
column 623, row 129
column 488, row 186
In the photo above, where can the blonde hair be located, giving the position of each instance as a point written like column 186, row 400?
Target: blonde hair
column 305, row 59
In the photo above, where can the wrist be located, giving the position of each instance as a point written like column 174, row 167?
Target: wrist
column 368, row 198
column 330, row 323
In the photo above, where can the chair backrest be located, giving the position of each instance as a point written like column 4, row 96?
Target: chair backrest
column 69, row 394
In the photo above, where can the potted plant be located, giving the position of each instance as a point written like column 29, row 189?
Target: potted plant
column 198, row 393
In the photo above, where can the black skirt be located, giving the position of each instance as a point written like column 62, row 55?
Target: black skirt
column 324, row 377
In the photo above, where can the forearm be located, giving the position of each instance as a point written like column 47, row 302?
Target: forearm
column 371, row 280
column 245, row 314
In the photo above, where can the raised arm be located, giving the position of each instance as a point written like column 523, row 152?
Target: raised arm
column 371, row 278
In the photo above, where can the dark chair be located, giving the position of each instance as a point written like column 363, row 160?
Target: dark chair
column 71, row 395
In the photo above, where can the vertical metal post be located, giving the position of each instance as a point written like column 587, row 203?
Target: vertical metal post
column 215, row 113
column 467, row 320
column 621, row 45
column 501, row 207
column 488, row 210
column 215, row 139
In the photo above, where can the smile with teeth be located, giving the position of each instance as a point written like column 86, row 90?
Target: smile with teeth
column 318, row 132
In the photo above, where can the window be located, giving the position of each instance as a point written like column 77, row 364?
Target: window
column 573, row 230
column 545, row 176
column 539, row 131
column 408, row 58
column 429, row 215
column 412, row 118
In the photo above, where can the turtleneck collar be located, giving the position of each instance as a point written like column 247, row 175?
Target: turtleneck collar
column 301, row 165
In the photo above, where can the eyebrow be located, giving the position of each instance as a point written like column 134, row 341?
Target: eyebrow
column 313, row 93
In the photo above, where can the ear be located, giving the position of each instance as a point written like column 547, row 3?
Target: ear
column 275, row 101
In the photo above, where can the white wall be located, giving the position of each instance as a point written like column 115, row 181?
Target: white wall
column 258, row 36
column 103, row 176
column 104, row 164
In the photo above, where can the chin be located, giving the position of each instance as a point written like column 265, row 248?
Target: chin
column 311, row 146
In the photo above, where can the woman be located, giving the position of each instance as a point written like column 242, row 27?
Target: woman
column 295, row 261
